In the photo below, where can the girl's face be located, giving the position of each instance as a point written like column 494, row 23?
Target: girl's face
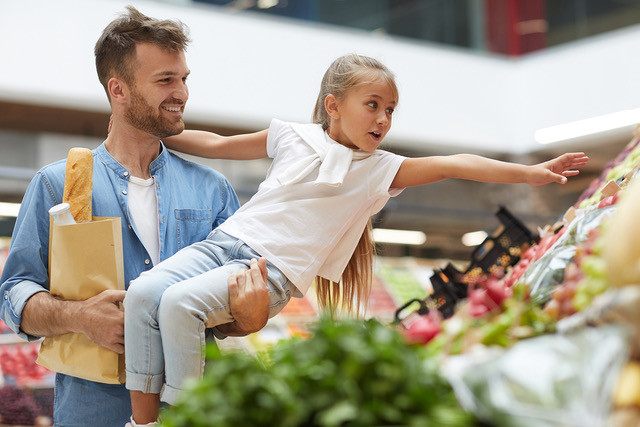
column 362, row 118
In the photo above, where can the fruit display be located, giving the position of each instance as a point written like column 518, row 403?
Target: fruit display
column 562, row 282
column 557, row 273
column 623, row 168
column 19, row 368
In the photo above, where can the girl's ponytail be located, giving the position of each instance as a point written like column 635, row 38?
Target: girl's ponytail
column 354, row 288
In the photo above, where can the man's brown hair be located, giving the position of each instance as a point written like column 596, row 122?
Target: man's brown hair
column 116, row 48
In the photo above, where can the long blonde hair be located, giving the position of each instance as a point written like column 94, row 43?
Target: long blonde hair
column 352, row 292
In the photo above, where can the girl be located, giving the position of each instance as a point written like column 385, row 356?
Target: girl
column 307, row 219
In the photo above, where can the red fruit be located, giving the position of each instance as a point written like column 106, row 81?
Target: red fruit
column 607, row 201
column 543, row 246
column 615, row 197
column 508, row 281
column 561, row 231
column 516, row 274
column 567, row 308
column 479, row 302
column 518, row 271
column 497, row 291
column 530, row 253
column 478, row 310
column 423, row 330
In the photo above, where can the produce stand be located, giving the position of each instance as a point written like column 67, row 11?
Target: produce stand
column 547, row 333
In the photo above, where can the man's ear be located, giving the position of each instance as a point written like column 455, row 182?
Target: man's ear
column 118, row 90
column 332, row 106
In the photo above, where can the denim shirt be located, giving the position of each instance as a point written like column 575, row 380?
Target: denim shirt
column 192, row 200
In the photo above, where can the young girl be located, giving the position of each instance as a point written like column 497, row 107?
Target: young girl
column 307, row 219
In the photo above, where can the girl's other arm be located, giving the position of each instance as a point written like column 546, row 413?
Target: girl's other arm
column 248, row 146
column 425, row 170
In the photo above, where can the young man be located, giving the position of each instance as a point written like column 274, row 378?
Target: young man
column 165, row 203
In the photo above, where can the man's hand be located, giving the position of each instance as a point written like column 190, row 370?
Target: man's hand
column 248, row 300
column 99, row 318
column 102, row 321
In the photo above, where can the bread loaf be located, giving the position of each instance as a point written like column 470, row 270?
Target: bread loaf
column 78, row 183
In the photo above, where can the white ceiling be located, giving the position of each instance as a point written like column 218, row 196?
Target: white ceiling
column 247, row 68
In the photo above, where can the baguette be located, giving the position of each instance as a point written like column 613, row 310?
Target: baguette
column 78, row 183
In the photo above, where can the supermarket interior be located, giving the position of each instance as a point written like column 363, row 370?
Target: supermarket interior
column 507, row 304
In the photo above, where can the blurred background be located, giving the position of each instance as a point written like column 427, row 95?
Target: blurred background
column 518, row 80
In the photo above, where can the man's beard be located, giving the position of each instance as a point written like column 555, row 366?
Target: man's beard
column 144, row 117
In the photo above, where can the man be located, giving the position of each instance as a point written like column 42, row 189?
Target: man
column 165, row 203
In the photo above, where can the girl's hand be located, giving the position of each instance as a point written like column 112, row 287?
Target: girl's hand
column 558, row 169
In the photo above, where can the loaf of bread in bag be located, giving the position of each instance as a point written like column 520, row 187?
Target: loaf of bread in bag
column 78, row 183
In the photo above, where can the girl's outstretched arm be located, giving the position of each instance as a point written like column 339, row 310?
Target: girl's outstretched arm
column 425, row 170
column 248, row 146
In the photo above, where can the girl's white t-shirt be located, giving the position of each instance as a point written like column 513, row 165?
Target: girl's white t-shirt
column 308, row 229
column 143, row 210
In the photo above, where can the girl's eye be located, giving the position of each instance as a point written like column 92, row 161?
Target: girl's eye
column 390, row 111
column 372, row 104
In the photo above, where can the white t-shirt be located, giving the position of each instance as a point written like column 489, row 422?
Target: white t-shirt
column 143, row 209
column 308, row 229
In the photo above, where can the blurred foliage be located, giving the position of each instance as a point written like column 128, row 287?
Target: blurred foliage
column 349, row 373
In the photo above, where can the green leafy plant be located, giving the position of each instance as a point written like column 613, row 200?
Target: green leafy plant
column 349, row 373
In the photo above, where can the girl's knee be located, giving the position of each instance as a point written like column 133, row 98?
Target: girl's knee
column 172, row 302
column 142, row 294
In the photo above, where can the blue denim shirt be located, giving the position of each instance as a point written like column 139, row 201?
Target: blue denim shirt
column 192, row 200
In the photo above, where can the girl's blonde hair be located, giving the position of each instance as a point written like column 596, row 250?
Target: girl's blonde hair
column 345, row 73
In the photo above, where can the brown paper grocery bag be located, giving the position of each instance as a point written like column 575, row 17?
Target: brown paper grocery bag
column 84, row 260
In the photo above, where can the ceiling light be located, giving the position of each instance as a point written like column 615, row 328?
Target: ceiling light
column 474, row 238
column 399, row 237
column 9, row 209
column 586, row 127
column 267, row 4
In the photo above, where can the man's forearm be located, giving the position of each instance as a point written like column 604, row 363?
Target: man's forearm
column 45, row 315
column 99, row 318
